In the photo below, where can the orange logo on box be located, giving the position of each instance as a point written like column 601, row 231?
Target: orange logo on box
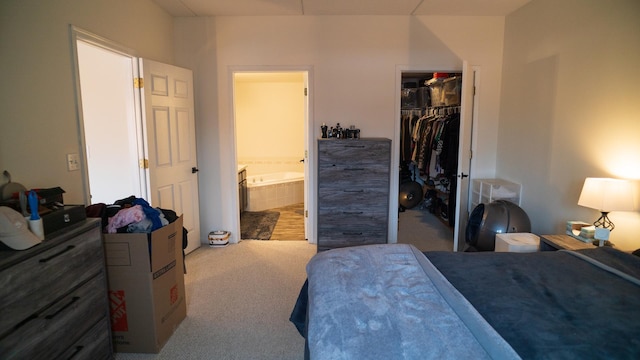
column 173, row 294
column 118, row 311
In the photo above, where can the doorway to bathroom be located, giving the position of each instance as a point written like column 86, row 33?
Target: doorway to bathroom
column 271, row 112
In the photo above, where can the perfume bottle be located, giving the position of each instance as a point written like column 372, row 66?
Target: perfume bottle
column 324, row 130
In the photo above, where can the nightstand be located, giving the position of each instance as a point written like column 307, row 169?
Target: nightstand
column 559, row 242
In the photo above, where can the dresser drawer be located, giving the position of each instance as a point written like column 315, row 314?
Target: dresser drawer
column 352, row 214
column 50, row 332
column 33, row 284
column 360, row 152
column 353, row 236
column 94, row 345
column 354, row 176
column 356, row 197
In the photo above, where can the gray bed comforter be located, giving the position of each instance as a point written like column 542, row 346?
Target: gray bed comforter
column 390, row 302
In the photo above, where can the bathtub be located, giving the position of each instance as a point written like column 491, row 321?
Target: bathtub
column 268, row 191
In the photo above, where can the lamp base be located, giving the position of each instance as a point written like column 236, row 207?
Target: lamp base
column 602, row 235
column 604, row 222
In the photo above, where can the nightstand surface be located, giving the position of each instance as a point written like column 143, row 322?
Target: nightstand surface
column 558, row 242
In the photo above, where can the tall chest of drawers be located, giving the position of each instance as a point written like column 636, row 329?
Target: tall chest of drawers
column 353, row 192
column 53, row 298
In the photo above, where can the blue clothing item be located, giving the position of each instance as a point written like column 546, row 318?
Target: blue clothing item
column 151, row 213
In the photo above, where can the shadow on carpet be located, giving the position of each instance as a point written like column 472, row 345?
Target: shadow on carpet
column 258, row 225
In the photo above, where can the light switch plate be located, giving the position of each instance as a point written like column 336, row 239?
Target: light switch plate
column 73, row 162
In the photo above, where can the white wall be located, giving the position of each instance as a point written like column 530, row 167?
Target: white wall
column 269, row 116
column 39, row 125
column 570, row 107
column 353, row 61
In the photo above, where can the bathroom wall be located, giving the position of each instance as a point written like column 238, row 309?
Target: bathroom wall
column 269, row 118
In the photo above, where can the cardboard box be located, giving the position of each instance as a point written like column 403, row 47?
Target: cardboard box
column 146, row 287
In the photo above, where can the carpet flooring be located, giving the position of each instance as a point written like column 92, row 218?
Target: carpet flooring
column 239, row 299
column 424, row 230
column 258, row 225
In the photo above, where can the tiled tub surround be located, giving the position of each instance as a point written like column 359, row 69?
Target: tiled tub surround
column 270, row 165
column 274, row 190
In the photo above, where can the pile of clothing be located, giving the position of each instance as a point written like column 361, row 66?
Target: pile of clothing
column 131, row 215
column 134, row 215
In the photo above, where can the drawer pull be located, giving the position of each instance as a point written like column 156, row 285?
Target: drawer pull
column 353, row 212
column 23, row 322
column 352, row 233
column 77, row 350
column 353, row 191
column 353, row 169
column 355, row 146
column 57, row 254
column 73, row 300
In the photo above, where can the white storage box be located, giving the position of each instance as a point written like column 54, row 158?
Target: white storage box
column 219, row 238
column 517, row 242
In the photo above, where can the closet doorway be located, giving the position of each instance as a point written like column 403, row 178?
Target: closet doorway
column 271, row 122
column 111, row 124
column 434, row 139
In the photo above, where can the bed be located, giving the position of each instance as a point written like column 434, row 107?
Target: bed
column 394, row 302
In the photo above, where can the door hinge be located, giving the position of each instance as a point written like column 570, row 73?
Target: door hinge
column 474, row 91
column 305, row 92
column 144, row 163
column 306, row 213
column 138, row 83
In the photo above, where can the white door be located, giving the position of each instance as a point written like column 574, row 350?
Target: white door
column 464, row 156
column 167, row 94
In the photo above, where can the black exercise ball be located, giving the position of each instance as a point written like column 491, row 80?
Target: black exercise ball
column 410, row 194
column 497, row 217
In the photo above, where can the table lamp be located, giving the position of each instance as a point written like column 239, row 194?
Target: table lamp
column 606, row 195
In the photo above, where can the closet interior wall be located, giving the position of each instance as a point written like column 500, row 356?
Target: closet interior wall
column 429, row 139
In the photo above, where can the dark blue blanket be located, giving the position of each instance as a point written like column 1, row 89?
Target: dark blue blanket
column 553, row 305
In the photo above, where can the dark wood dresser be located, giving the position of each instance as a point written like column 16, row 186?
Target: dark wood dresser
column 53, row 298
column 353, row 192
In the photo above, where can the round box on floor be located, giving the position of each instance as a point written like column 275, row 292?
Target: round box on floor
column 219, row 238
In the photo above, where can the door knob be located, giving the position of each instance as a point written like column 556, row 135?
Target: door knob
column 194, row 170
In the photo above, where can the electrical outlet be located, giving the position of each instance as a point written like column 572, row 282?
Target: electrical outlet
column 73, row 162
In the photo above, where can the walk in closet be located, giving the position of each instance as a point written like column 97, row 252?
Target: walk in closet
column 429, row 141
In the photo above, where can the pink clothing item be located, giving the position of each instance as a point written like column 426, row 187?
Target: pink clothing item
column 125, row 217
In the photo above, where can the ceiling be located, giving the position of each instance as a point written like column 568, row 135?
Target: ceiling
column 339, row 7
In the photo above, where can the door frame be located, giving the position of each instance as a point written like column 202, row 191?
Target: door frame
column 78, row 34
column 309, row 151
column 468, row 121
column 461, row 204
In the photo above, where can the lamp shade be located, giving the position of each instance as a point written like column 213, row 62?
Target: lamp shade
column 605, row 194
